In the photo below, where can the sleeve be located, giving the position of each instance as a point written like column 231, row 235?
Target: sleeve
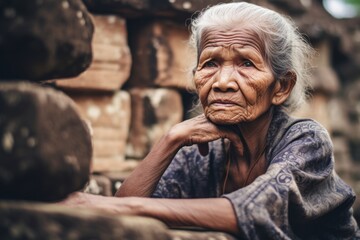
column 175, row 182
column 300, row 196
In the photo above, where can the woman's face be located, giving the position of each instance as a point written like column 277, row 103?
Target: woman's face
column 232, row 78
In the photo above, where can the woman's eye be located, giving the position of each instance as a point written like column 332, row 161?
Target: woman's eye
column 210, row 64
column 248, row 63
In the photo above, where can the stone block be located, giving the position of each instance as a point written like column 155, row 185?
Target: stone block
column 111, row 64
column 99, row 185
column 317, row 109
column 352, row 99
column 108, row 115
column 154, row 112
column 191, row 234
column 45, row 147
column 161, row 57
column 338, row 110
column 29, row 221
column 324, row 77
column 36, row 42
column 118, row 177
column 135, row 8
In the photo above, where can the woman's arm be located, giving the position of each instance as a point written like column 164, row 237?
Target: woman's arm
column 145, row 177
column 211, row 213
column 143, row 180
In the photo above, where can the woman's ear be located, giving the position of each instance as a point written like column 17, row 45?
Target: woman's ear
column 283, row 88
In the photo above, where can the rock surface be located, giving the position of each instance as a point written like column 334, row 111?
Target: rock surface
column 36, row 42
column 111, row 64
column 45, row 147
column 154, row 112
column 134, row 8
column 108, row 115
column 195, row 234
column 161, row 57
column 29, row 221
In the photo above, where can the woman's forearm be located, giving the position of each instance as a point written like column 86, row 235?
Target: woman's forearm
column 210, row 213
column 213, row 213
column 143, row 180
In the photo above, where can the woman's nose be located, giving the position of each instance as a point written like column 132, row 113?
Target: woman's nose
column 226, row 80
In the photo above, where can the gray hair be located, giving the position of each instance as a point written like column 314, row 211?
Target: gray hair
column 285, row 49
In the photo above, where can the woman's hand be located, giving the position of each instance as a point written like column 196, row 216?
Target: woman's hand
column 199, row 130
column 126, row 206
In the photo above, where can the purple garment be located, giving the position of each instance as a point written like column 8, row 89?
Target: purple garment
column 298, row 197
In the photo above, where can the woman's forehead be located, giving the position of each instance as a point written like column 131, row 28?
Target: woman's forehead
column 241, row 37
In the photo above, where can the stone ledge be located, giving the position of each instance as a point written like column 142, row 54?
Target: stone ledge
column 25, row 221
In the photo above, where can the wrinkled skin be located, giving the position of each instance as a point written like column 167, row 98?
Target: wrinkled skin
column 232, row 78
column 237, row 91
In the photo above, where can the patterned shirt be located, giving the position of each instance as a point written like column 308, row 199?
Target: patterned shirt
column 298, row 197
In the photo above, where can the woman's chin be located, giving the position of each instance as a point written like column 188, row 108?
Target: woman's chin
column 223, row 120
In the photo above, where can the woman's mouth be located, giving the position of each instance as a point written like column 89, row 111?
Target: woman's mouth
column 222, row 102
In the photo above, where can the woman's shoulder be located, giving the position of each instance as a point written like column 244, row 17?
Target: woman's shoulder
column 285, row 126
column 290, row 132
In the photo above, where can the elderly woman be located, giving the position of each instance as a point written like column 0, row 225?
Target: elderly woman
column 244, row 166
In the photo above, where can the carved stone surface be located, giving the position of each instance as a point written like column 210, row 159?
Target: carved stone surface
column 29, row 221
column 111, row 65
column 197, row 234
column 352, row 99
column 45, row 147
column 133, row 8
column 99, row 185
column 154, row 112
column 26, row 221
column 108, row 115
column 324, row 78
column 160, row 54
column 37, row 42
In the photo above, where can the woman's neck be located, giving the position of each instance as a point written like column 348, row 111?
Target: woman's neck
column 254, row 136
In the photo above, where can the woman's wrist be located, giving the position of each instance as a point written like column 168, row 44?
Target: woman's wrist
column 176, row 137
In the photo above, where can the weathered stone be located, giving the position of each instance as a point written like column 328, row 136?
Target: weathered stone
column 99, row 185
column 111, row 65
column 160, row 54
column 352, row 99
column 324, row 78
column 347, row 64
column 154, row 112
column 316, row 108
column 199, row 235
column 45, row 148
column 108, row 115
column 134, row 8
column 30, row 221
column 338, row 117
column 343, row 163
column 117, row 177
column 26, row 221
column 37, row 42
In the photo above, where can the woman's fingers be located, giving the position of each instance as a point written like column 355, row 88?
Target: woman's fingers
column 199, row 130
